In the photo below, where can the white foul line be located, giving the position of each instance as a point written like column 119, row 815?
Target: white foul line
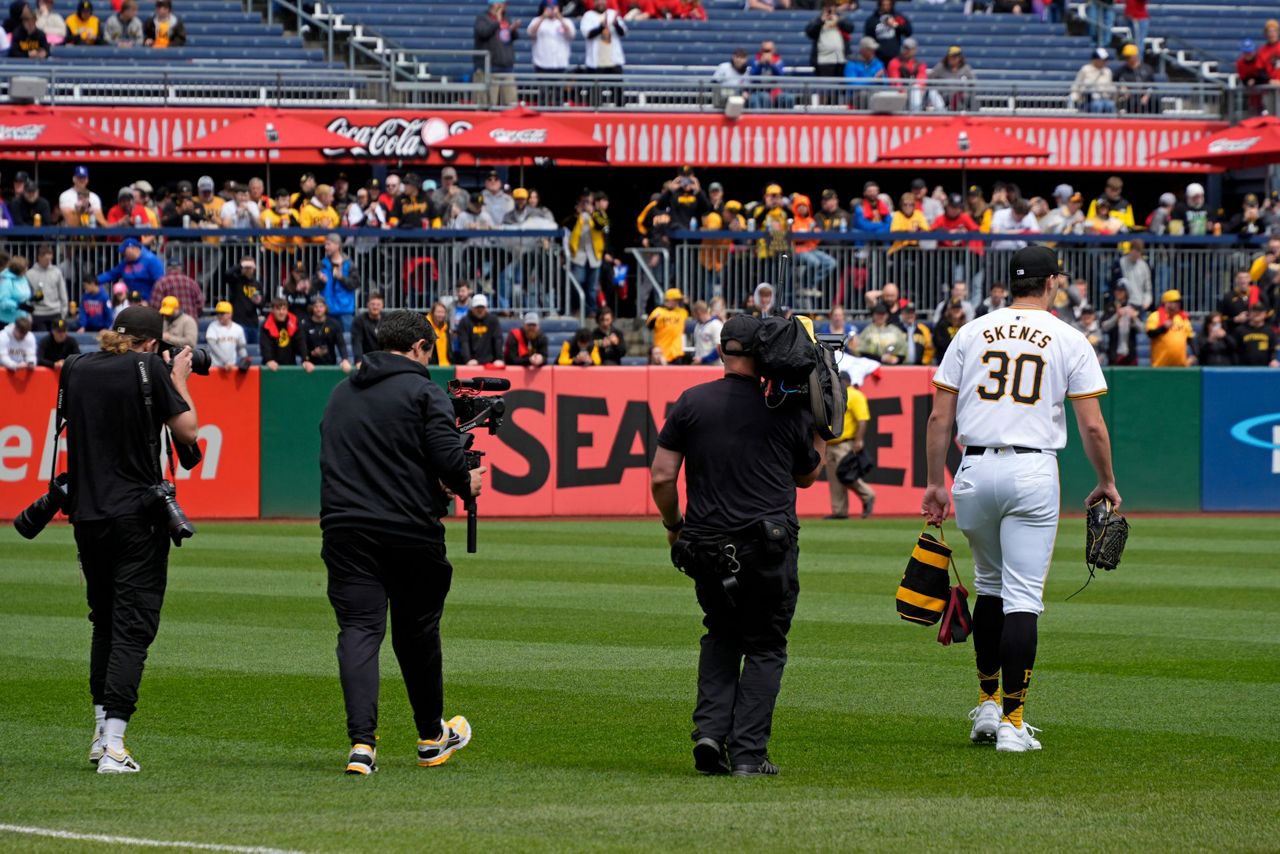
column 144, row 843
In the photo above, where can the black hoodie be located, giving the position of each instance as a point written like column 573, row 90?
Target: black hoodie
column 387, row 440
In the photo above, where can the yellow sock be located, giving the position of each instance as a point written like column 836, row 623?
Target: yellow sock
column 992, row 679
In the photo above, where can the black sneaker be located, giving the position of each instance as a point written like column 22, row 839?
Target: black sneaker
column 869, row 507
column 836, row 516
column 765, row 768
column 362, row 760
column 708, row 757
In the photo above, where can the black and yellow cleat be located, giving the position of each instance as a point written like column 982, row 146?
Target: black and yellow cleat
column 436, row 751
column 362, row 760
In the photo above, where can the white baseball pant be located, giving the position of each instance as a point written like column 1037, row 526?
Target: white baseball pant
column 1007, row 506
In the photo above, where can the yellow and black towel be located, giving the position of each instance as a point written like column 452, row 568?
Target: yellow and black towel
column 925, row 590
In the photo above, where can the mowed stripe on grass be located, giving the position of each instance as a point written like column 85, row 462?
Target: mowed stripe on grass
column 571, row 646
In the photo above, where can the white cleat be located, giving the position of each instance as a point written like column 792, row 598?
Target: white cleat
column 118, row 762
column 986, row 719
column 1012, row 739
column 98, row 746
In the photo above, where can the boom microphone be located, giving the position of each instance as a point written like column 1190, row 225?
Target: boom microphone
column 483, row 383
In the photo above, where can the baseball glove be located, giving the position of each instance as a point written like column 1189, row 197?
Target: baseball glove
column 1105, row 535
column 1106, row 532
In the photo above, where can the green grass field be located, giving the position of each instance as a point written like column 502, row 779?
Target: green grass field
column 571, row 647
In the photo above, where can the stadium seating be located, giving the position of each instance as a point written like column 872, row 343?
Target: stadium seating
column 1210, row 29
column 991, row 42
column 217, row 30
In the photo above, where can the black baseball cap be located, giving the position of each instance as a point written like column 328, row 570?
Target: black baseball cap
column 140, row 321
column 741, row 328
column 59, row 325
column 1034, row 262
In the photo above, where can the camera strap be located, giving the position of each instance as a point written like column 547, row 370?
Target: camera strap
column 60, row 412
column 153, row 438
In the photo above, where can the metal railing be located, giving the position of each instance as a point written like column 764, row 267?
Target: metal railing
column 382, row 73
column 689, row 89
column 518, row 270
column 844, row 267
column 200, row 85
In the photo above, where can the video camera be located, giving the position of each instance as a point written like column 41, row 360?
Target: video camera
column 800, row 368
column 475, row 410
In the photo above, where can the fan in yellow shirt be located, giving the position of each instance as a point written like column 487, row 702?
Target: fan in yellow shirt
column 667, row 322
column 1170, row 329
column 857, row 418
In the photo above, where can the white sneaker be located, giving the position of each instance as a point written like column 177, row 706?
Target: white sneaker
column 1012, row 739
column 986, row 718
column 98, row 746
column 117, row 762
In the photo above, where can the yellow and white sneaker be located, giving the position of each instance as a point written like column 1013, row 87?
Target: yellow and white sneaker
column 98, row 746
column 456, row 735
column 362, row 760
column 1014, row 739
column 118, row 762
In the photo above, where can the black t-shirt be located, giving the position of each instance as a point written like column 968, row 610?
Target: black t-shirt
column 741, row 458
column 108, row 456
column 1255, row 345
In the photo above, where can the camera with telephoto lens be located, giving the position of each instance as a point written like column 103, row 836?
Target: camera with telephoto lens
column 200, row 360
column 163, row 498
column 472, row 410
column 31, row 521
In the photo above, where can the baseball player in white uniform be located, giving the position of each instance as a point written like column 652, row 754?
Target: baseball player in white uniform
column 1004, row 381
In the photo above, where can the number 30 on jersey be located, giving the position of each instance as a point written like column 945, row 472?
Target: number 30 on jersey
column 1021, row 384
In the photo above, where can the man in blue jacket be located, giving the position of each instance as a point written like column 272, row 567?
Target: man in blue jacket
column 139, row 269
column 339, row 282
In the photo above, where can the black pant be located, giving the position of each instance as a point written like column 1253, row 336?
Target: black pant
column 364, row 573
column 126, row 565
column 743, row 654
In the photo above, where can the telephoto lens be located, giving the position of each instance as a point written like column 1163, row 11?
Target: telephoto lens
column 31, row 521
column 162, row 496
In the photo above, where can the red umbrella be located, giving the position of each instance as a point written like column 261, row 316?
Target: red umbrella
column 964, row 140
column 523, row 134
column 1253, row 142
column 267, row 130
column 38, row 129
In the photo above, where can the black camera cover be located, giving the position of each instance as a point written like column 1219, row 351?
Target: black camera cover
column 784, row 351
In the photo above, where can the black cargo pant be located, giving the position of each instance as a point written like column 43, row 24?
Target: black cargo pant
column 365, row 573
column 126, row 565
column 743, row 654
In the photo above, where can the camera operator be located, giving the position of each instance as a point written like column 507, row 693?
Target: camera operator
column 391, row 456
column 738, row 543
column 113, row 468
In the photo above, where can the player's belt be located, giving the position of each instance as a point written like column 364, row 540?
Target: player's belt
column 979, row 450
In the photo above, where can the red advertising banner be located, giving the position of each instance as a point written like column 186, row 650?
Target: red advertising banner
column 225, row 485
column 660, row 139
column 579, row 441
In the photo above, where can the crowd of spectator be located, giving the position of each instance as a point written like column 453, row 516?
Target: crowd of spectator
column 33, row 33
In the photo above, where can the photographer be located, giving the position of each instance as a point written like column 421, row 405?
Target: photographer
column 738, row 543
column 113, row 471
column 391, row 456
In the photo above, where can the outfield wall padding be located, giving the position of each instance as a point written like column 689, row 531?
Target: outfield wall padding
column 578, row 441
column 293, row 402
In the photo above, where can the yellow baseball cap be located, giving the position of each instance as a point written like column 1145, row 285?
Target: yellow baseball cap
column 1173, row 295
column 168, row 306
column 773, row 190
column 674, row 294
column 519, row 193
column 1129, row 50
column 222, row 307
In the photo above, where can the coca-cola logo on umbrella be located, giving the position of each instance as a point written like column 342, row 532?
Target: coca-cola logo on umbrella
column 527, row 136
column 21, row 133
column 394, row 138
column 1233, row 146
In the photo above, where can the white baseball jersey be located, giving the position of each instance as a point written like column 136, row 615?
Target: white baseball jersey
column 1012, row 369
